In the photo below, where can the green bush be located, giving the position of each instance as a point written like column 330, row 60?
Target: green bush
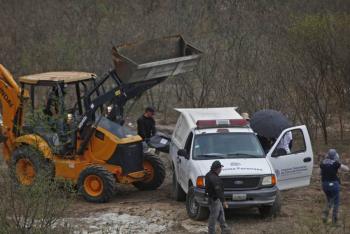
column 38, row 208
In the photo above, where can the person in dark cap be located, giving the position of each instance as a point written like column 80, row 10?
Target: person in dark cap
column 331, row 183
column 146, row 126
column 215, row 189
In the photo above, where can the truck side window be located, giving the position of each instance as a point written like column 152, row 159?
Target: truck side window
column 292, row 142
column 177, row 132
column 182, row 133
column 298, row 143
column 189, row 142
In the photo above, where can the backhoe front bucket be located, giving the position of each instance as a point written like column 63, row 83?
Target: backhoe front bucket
column 153, row 59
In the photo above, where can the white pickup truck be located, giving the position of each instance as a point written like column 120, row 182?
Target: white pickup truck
column 250, row 177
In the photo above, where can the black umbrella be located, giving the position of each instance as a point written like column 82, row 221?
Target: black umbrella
column 269, row 123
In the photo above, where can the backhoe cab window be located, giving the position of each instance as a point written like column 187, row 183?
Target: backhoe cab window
column 228, row 145
column 115, row 128
column 70, row 98
column 46, row 98
column 58, row 98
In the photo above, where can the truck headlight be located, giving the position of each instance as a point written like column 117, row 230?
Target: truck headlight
column 200, row 181
column 269, row 180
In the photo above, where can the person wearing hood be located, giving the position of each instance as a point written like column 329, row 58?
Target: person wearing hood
column 245, row 116
column 331, row 183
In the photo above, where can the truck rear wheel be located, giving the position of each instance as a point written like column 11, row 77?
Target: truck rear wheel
column 194, row 210
column 155, row 173
column 178, row 192
column 29, row 163
column 273, row 210
column 96, row 184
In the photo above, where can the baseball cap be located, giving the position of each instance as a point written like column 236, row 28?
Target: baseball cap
column 150, row 109
column 216, row 164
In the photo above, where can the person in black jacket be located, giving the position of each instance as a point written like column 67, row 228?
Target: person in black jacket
column 215, row 190
column 331, row 183
column 146, row 126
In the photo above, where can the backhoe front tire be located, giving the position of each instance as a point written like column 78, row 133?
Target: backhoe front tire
column 96, row 184
column 154, row 167
column 28, row 164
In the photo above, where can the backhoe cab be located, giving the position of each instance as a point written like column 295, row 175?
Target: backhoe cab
column 56, row 124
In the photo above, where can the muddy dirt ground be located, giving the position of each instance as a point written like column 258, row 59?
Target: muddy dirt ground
column 133, row 211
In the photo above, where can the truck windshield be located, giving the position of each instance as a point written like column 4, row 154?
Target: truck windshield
column 227, row 145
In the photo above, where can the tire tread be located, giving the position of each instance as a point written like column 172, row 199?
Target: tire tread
column 159, row 174
column 108, row 183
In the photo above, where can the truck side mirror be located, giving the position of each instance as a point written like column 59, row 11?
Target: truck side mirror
column 183, row 153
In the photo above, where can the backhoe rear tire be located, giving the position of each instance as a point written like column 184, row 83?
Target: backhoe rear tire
column 154, row 166
column 96, row 184
column 28, row 164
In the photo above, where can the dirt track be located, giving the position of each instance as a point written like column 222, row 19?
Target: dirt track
column 133, row 211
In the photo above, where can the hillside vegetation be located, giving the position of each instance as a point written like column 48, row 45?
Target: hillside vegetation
column 287, row 55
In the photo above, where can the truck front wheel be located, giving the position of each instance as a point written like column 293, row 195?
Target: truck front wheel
column 273, row 210
column 194, row 210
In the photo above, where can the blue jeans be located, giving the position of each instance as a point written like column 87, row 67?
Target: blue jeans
column 331, row 189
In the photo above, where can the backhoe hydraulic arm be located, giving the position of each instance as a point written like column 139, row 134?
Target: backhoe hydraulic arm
column 138, row 67
column 116, row 96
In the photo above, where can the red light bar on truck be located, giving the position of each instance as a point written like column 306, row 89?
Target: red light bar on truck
column 221, row 123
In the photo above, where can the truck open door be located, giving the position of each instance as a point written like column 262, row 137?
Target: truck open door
column 293, row 166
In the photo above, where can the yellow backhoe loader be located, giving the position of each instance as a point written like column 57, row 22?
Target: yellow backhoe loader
column 82, row 142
